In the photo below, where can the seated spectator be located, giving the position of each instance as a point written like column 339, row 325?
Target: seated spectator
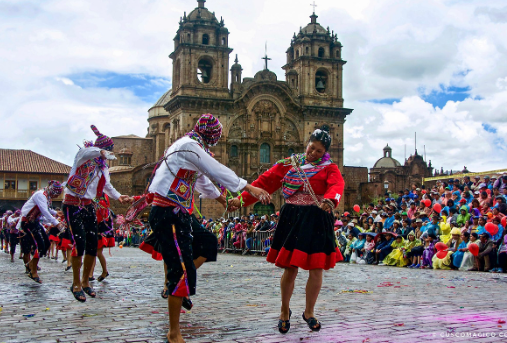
column 429, row 251
column 502, row 255
column 452, row 246
column 341, row 241
column 396, row 227
column 369, row 245
column 486, row 254
column 463, row 216
column 384, row 248
column 405, row 228
column 357, row 248
column 462, row 249
column 396, row 256
column 413, row 251
column 348, row 249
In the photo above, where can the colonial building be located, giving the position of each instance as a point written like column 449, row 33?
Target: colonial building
column 264, row 119
column 387, row 175
column 23, row 172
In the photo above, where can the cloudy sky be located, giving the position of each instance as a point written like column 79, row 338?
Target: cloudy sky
column 432, row 66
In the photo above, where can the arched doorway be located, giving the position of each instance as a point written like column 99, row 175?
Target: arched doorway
column 261, row 209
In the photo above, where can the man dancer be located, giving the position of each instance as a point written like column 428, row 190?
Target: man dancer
column 187, row 165
column 88, row 179
column 34, row 238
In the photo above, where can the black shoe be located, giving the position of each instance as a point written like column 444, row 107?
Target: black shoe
column 91, row 279
column 90, row 291
column 36, row 279
column 312, row 322
column 284, row 325
column 187, row 304
column 101, row 278
column 80, row 296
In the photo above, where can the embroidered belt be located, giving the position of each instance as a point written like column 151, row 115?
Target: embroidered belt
column 75, row 201
column 304, row 199
column 161, row 201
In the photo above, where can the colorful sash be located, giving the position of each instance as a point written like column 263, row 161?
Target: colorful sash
column 292, row 182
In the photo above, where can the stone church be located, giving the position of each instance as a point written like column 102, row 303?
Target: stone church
column 264, row 119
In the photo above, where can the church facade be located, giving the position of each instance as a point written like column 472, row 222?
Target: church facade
column 264, row 119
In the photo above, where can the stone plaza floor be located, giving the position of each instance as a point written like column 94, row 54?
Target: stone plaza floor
column 238, row 300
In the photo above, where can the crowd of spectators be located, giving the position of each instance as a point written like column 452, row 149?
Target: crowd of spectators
column 457, row 224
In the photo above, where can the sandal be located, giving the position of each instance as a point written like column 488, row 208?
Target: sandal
column 36, row 279
column 27, row 269
column 187, row 304
column 165, row 293
column 101, row 278
column 68, row 268
column 64, row 261
column 91, row 279
column 284, row 325
column 312, row 322
column 89, row 291
column 79, row 295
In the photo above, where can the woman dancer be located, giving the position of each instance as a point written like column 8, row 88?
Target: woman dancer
column 312, row 186
column 88, row 179
column 54, row 239
column 34, row 239
column 106, row 236
column 187, row 166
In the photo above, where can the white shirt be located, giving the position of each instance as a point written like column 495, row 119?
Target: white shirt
column 197, row 160
column 82, row 156
column 38, row 199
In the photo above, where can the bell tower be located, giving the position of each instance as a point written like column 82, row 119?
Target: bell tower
column 314, row 66
column 201, row 55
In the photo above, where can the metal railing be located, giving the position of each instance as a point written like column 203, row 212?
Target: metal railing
column 238, row 242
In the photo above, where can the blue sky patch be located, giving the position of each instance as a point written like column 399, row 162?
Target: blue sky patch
column 148, row 88
column 388, row 101
column 439, row 98
column 488, row 128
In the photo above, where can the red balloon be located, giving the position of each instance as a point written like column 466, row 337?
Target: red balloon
column 437, row 208
column 357, row 208
column 427, row 202
column 491, row 228
column 442, row 254
column 441, row 246
column 504, row 222
column 474, row 249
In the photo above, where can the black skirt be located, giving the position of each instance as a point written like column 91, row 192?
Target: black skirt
column 304, row 238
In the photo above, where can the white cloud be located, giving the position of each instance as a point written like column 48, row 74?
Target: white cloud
column 395, row 50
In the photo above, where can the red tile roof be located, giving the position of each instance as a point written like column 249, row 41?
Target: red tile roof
column 27, row 161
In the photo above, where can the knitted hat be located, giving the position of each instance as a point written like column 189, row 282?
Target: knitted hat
column 54, row 188
column 209, row 128
column 102, row 141
column 455, row 231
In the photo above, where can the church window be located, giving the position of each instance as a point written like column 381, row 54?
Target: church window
column 125, row 160
column 176, row 78
column 321, row 81
column 234, row 151
column 223, row 41
column 188, row 37
column 291, row 151
column 297, row 53
column 337, row 53
column 204, row 70
column 307, row 51
column 237, row 78
column 205, row 39
column 292, row 82
column 265, row 153
column 321, row 52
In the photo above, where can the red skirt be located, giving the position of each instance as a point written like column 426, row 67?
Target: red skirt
column 54, row 238
column 304, row 238
column 146, row 247
column 106, row 242
column 65, row 244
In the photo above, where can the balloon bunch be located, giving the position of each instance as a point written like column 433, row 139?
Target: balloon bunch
column 441, row 250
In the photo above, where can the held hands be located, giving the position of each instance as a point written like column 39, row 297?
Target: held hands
column 125, row 199
column 234, row 204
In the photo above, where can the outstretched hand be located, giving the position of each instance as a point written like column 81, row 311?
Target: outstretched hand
column 259, row 193
column 125, row 199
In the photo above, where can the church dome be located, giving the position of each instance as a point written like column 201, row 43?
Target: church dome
column 314, row 27
column 387, row 161
column 202, row 14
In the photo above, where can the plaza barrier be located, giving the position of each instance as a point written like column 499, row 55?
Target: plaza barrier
column 238, row 243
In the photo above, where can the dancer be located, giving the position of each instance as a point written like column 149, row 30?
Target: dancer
column 312, row 186
column 185, row 167
column 6, row 231
column 106, row 236
column 88, row 179
column 54, row 239
column 34, row 240
column 12, row 222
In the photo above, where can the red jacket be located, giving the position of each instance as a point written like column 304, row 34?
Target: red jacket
column 328, row 182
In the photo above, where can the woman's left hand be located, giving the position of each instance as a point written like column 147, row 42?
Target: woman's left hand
column 326, row 207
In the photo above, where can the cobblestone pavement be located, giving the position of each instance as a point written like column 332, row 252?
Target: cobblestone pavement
column 238, row 301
